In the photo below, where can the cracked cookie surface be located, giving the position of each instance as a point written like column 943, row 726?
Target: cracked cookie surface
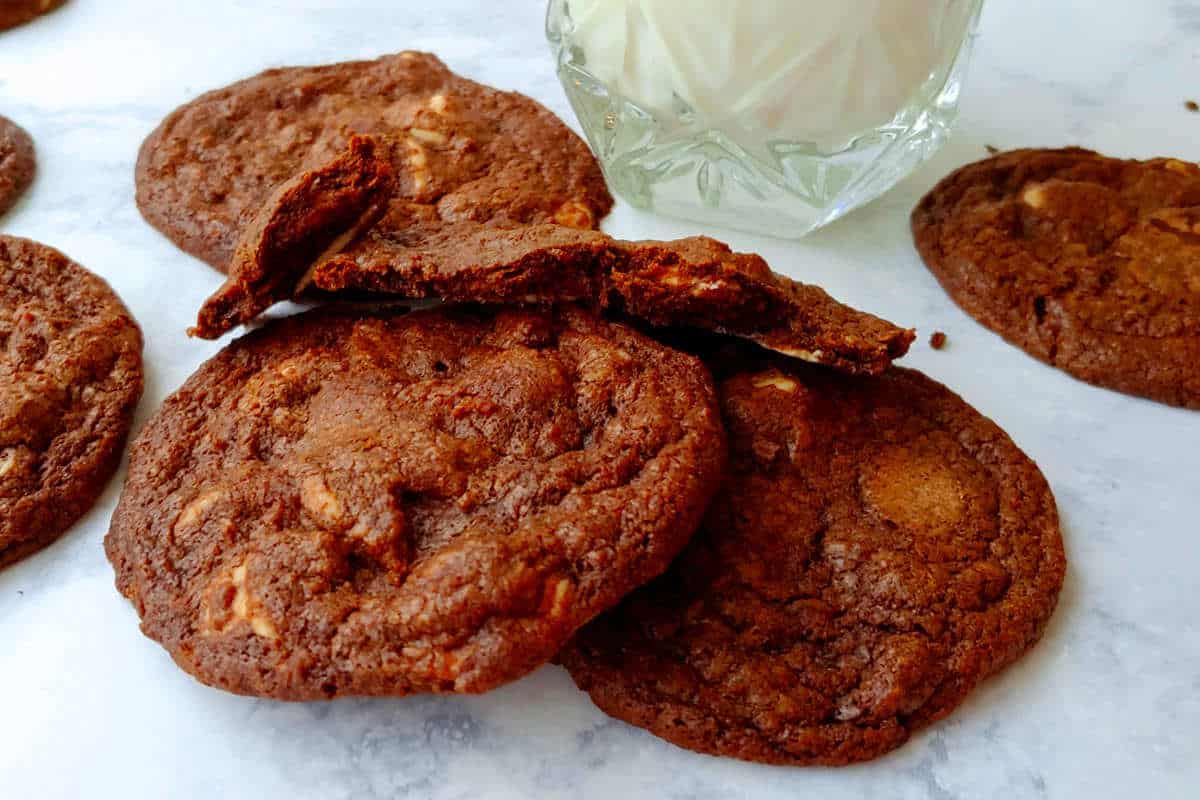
column 379, row 504
column 459, row 150
column 877, row 549
column 70, row 379
column 18, row 163
column 1091, row 264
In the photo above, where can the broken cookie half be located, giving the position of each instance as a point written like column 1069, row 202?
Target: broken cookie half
column 325, row 231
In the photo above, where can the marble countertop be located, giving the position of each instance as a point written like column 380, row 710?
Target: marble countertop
column 1107, row 706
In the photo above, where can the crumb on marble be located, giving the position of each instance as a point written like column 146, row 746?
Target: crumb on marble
column 1192, row 105
column 938, row 340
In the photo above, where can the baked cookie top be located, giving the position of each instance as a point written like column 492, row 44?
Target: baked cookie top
column 460, row 149
column 70, row 379
column 878, row 548
column 1089, row 263
column 379, row 504
column 18, row 163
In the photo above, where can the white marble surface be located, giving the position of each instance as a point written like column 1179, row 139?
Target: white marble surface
column 1107, row 706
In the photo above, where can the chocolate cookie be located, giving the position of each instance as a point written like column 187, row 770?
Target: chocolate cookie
column 17, row 163
column 1088, row 263
column 691, row 283
column 70, row 378
column 295, row 243
column 459, row 149
column 18, row 12
column 382, row 504
column 877, row 550
column 307, row 216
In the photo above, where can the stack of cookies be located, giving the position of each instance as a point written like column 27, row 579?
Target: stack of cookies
column 699, row 486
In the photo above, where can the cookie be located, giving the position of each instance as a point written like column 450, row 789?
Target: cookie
column 878, row 548
column 17, row 163
column 70, row 379
column 459, row 149
column 18, row 12
column 1088, row 263
column 700, row 283
column 307, row 216
column 690, row 283
column 379, row 504
column 411, row 252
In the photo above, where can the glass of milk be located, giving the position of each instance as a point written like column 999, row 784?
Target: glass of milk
column 776, row 116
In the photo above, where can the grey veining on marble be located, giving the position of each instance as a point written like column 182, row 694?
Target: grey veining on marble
column 1107, row 706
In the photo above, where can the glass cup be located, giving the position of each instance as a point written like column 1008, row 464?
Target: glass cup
column 774, row 116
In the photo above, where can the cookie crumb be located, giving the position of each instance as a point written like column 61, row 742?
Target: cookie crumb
column 1192, row 106
column 991, row 148
column 938, row 340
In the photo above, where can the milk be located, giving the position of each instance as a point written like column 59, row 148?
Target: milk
column 799, row 70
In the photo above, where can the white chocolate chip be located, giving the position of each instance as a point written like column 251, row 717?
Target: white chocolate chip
column 195, row 510
column 319, row 501
column 359, row 532
column 337, row 246
column 437, row 103
column 575, row 214
column 776, row 382
column 1181, row 167
column 418, row 164
column 560, row 597
column 444, row 666
column 1034, row 196
column 289, row 368
column 263, row 627
column 428, row 136
column 848, row 711
column 241, row 607
column 811, row 356
column 707, row 286
column 241, row 598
